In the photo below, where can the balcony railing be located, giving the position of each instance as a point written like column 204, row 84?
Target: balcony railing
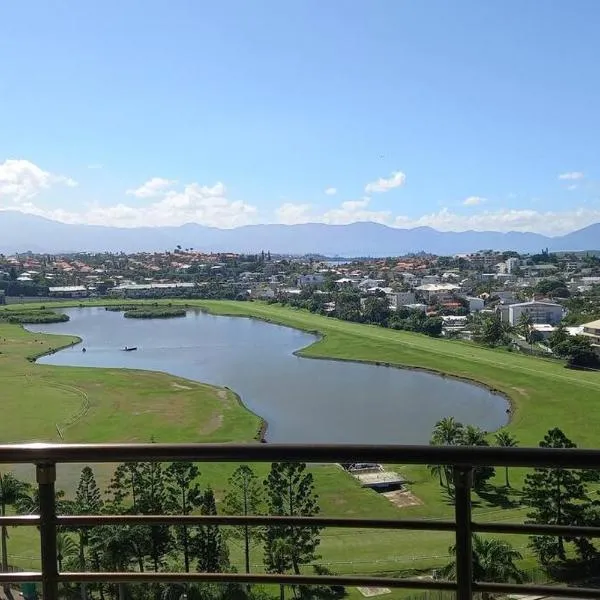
column 462, row 460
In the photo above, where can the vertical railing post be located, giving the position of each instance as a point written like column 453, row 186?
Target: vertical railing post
column 46, row 478
column 463, row 481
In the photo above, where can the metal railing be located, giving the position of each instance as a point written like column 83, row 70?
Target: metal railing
column 461, row 459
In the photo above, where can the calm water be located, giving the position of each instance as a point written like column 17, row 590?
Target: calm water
column 303, row 400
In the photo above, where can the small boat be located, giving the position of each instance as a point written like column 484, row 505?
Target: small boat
column 127, row 349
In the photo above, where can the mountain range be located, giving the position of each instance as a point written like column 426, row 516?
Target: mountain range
column 21, row 232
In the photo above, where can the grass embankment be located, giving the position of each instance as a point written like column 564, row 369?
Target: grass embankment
column 128, row 406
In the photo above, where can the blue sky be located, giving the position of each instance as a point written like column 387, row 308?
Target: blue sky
column 457, row 115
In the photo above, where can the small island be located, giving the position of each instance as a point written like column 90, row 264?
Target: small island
column 158, row 312
column 31, row 316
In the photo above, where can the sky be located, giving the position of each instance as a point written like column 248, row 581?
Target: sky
column 456, row 115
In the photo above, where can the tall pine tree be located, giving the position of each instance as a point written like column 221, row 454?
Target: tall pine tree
column 244, row 498
column 208, row 544
column 183, row 495
column 557, row 497
column 88, row 501
column 290, row 492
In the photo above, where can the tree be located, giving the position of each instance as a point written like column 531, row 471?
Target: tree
column 559, row 335
column 505, row 439
column 11, row 491
column 557, row 497
column 491, row 331
column 446, row 432
column 290, row 492
column 525, row 327
column 65, row 547
column 245, row 497
column 432, row 326
column 493, row 561
column 183, row 496
column 376, row 310
column 474, row 436
column 208, row 545
column 88, row 501
column 578, row 351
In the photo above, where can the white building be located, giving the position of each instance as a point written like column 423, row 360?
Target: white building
column 397, row 299
column 540, row 312
column 512, row 264
column 68, row 291
column 428, row 290
column 475, row 304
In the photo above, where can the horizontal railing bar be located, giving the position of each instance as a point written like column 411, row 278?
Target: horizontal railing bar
column 351, row 580
column 21, row 577
column 19, row 521
column 537, row 590
column 254, row 520
column 442, row 455
column 535, row 529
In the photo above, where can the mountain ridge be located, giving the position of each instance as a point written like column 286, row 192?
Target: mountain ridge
column 20, row 232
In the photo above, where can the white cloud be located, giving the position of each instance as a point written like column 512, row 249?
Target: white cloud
column 548, row 222
column 152, row 188
column 571, row 176
column 95, row 166
column 350, row 211
column 21, row 180
column 474, row 201
column 195, row 203
column 331, row 191
column 396, row 179
column 291, row 214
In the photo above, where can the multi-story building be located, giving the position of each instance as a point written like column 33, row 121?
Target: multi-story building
column 540, row 312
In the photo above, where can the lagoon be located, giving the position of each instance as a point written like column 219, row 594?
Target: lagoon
column 302, row 400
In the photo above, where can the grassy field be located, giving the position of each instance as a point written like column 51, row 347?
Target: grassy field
column 543, row 393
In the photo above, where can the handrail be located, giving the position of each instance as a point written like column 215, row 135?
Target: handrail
column 575, row 458
column 462, row 460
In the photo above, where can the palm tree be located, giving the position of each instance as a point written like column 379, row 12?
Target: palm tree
column 65, row 547
column 493, row 561
column 11, row 490
column 473, row 436
column 506, row 440
column 525, row 327
column 447, row 432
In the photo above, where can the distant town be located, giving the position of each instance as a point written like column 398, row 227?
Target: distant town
column 532, row 302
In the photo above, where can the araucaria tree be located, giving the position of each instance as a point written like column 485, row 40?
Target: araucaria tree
column 88, row 501
column 209, row 547
column 290, row 492
column 245, row 497
column 557, row 497
column 183, row 495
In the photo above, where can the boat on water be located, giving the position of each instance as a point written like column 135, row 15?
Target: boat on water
column 128, row 349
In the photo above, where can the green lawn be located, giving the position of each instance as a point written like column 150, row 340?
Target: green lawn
column 134, row 406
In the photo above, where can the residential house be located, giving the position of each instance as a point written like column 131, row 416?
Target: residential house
column 592, row 332
column 311, row 279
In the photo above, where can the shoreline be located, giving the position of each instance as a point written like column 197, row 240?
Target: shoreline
column 301, row 353
column 263, row 425
column 262, row 430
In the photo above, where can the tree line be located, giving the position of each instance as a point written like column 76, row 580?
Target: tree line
column 149, row 488
column 554, row 496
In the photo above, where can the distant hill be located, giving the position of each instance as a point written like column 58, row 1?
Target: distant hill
column 21, row 232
